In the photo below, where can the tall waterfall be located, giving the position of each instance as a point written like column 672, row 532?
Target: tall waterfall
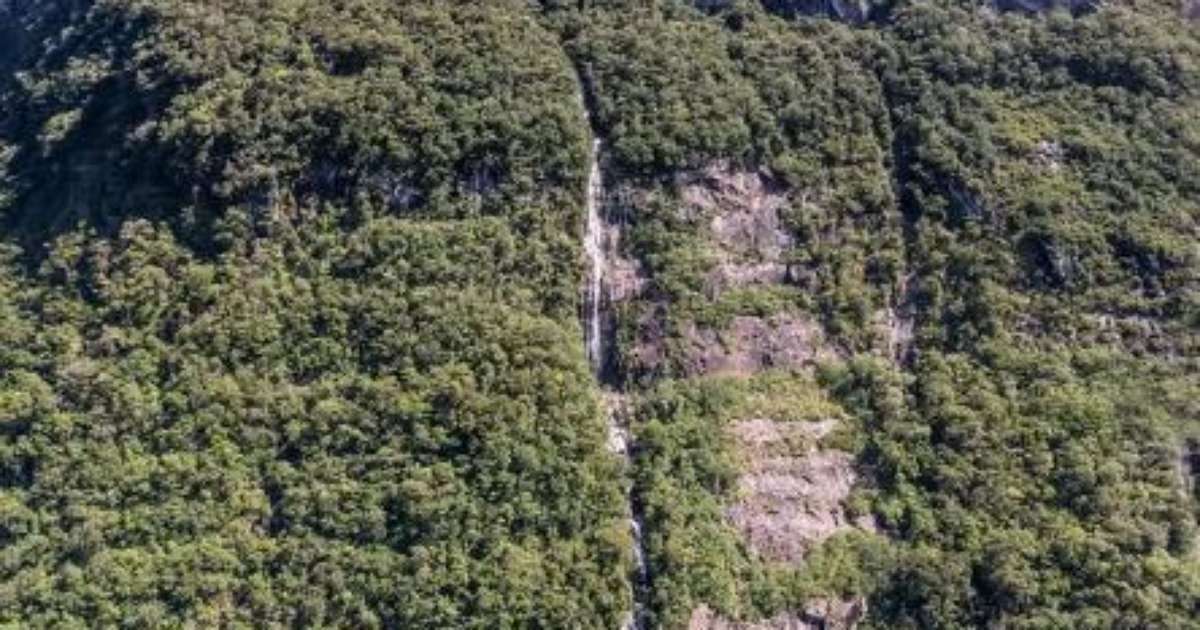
column 593, row 244
column 599, row 241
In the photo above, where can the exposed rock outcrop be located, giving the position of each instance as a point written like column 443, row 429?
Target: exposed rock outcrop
column 750, row 239
column 896, row 324
column 743, row 209
column 751, row 244
column 748, row 345
column 792, row 491
column 754, row 344
column 1134, row 333
column 819, row 615
column 849, row 11
column 1034, row 7
column 1189, row 467
column 396, row 189
column 863, row 11
column 1049, row 155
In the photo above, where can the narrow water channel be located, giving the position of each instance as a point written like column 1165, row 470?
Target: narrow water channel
column 598, row 243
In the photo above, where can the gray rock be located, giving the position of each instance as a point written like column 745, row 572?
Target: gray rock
column 821, row 614
column 849, row 11
column 1035, row 7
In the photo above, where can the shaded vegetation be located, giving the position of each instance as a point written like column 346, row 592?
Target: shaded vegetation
column 300, row 347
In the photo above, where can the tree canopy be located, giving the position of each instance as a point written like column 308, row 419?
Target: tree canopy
column 289, row 299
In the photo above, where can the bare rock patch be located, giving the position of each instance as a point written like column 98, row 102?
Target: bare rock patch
column 747, row 345
column 826, row 614
column 753, row 344
column 792, row 491
column 792, row 496
column 742, row 211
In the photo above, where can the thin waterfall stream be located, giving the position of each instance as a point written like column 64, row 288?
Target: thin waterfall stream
column 593, row 245
column 600, row 241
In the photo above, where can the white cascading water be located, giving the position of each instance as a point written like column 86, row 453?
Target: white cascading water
column 593, row 244
column 596, row 244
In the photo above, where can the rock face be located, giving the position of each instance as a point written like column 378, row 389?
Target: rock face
column 1033, row 7
column 792, row 491
column 792, row 498
column 896, row 324
column 1188, row 467
column 862, row 11
column 750, row 239
column 751, row 243
column 849, row 11
column 754, row 344
column 744, row 209
column 1049, row 155
column 1191, row 10
column 819, row 615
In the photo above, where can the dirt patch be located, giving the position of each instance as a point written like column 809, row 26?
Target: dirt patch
column 819, row 615
column 792, row 491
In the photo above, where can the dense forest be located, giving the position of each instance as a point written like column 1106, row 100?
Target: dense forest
column 904, row 298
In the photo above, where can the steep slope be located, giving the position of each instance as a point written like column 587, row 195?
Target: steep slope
column 974, row 232
column 292, row 339
column 828, row 314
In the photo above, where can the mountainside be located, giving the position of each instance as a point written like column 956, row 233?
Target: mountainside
column 619, row 313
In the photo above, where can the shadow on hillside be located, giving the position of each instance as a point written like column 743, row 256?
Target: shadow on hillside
column 77, row 161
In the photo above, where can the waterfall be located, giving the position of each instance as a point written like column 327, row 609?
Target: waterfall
column 599, row 242
column 593, row 245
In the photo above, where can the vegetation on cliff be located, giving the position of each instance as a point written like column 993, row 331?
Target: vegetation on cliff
column 288, row 301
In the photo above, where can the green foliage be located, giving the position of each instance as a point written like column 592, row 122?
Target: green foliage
column 288, row 290
column 1034, row 489
column 144, row 107
column 335, row 379
column 686, row 479
column 1022, row 188
column 300, row 435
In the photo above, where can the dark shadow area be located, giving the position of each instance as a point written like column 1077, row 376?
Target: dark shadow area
column 78, row 160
